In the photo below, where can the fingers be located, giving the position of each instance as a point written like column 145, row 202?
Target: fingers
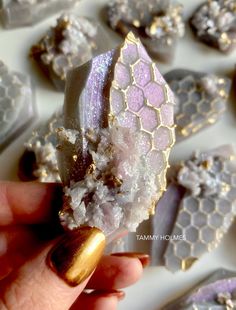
column 16, row 245
column 98, row 300
column 72, row 261
column 116, row 272
column 28, row 203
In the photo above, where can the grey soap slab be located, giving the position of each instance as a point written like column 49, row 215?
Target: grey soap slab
column 215, row 292
column 197, row 209
column 214, row 23
column 159, row 24
column 39, row 160
column 17, row 106
column 201, row 100
column 71, row 43
column 19, row 13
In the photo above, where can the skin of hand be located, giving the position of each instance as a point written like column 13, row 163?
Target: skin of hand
column 42, row 267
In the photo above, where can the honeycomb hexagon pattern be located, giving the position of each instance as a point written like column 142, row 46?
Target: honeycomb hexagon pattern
column 126, row 128
column 200, row 100
column 16, row 103
column 142, row 100
column 208, row 208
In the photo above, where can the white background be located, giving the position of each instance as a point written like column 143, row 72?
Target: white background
column 157, row 285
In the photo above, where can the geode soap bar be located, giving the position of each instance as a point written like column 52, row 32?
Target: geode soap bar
column 201, row 207
column 17, row 108
column 200, row 99
column 39, row 161
column 19, row 13
column 216, row 292
column 214, row 23
column 156, row 22
column 117, row 136
column 71, row 43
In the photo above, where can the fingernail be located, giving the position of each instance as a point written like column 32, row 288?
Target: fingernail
column 144, row 258
column 77, row 254
column 109, row 293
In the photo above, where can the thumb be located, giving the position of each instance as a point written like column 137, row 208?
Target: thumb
column 55, row 278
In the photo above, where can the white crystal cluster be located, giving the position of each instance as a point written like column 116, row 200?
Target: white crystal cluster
column 201, row 177
column 170, row 23
column 43, row 144
column 113, row 202
column 216, row 19
column 74, row 47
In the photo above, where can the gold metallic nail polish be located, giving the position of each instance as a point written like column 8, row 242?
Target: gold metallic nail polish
column 144, row 258
column 77, row 254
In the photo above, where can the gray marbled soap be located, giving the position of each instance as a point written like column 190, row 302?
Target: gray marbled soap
column 214, row 23
column 158, row 23
column 201, row 100
column 215, row 292
column 17, row 107
column 19, row 13
column 71, row 43
column 201, row 207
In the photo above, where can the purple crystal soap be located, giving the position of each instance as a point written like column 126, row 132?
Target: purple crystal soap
column 20, row 13
column 201, row 208
column 216, row 292
column 17, row 107
column 214, row 23
column 72, row 42
column 200, row 100
column 158, row 23
column 117, row 136
column 39, row 160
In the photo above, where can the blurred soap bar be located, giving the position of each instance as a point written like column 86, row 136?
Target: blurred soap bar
column 19, row 13
column 214, row 23
column 158, row 23
column 71, row 43
column 17, row 107
column 201, row 99
column 197, row 209
column 215, row 292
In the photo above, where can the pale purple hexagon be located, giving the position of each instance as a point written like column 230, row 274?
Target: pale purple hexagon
column 135, row 98
column 117, row 100
column 130, row 54
column 162, row 138
column 122, row 76
column 149, row 118
column 154, row 94
column 142, row 73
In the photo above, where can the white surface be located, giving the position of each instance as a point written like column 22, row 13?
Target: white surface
column 157, row 285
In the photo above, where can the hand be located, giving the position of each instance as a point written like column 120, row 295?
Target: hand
column 28, row 213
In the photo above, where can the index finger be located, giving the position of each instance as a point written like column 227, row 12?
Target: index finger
column 28, row 203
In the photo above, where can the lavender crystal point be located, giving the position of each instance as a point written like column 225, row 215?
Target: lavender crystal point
column 207, row 209
column 117, row 136
column 17, row 108
column 214, row 23
column 19, row 13
column 158, row 23
column 70, row 44
column 200, row 100
column 216, row 292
